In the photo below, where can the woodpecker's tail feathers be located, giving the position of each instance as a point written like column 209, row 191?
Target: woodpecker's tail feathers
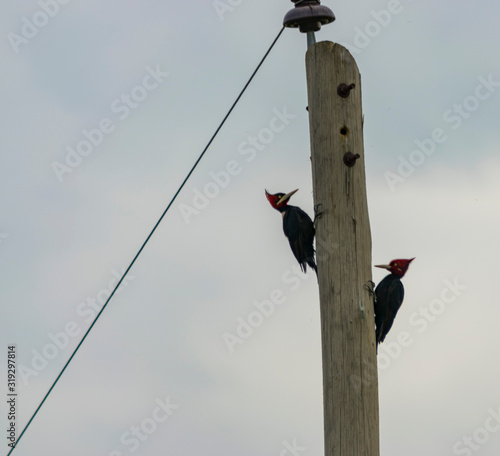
column 309, row 261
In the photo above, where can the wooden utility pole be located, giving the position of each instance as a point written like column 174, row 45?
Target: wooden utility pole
column 343, row 240
column 343, row 244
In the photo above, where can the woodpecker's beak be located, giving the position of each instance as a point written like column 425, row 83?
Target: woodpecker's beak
column 383, row 266
column 287, row 196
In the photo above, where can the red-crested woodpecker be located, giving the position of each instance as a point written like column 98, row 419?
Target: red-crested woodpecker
column 389, row 296
column 298, row 228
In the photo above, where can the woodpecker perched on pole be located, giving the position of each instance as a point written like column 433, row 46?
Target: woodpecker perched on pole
column 298, row 228
column 389, row 296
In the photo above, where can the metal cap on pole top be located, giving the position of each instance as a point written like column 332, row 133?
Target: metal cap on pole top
column 308, row 16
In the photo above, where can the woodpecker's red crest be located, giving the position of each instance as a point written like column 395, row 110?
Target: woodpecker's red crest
column 279, row 199
column 397, row 267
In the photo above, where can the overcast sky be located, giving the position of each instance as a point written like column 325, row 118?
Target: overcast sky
column 105, row 108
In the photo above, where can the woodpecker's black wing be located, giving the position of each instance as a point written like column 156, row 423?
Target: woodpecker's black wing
column 299, row 230
column 389, row 297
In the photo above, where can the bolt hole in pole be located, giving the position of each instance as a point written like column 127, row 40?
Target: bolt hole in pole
column 344, row 130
